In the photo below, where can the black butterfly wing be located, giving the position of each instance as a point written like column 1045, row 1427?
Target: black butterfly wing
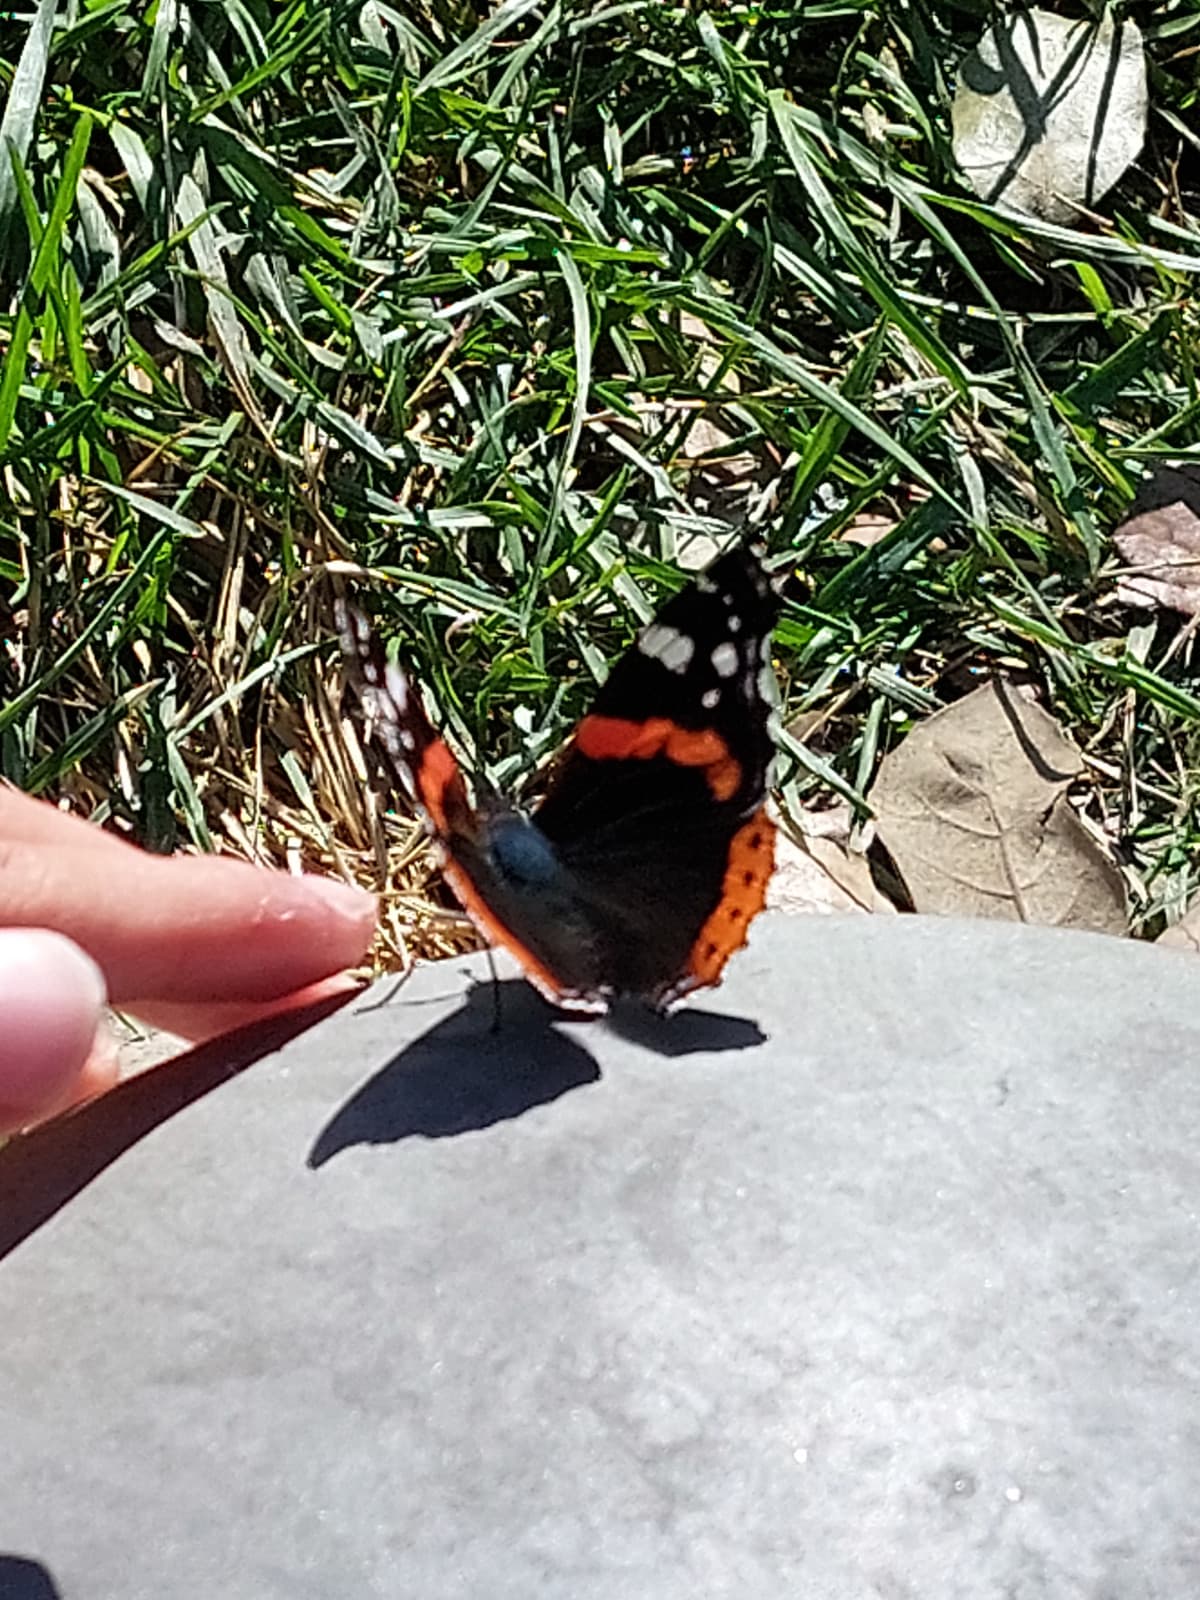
column 504, row 874
column 656, row 810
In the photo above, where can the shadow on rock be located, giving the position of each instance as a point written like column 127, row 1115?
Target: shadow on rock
column 502, row 1053
column 683, row 1033
column 41, row 1171
column 22, row 1579
column 466, row 1073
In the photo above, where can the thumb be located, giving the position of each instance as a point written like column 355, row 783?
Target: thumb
column 51, row 1008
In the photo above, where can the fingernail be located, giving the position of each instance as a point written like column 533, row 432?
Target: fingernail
column 345, row 899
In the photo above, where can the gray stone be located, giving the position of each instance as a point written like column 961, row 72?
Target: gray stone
column 874, row 1274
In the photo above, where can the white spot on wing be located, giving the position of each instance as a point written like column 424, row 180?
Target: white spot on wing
column 734, row 624
column 397, row 686
column 725, row 659
column 710, row 699
column 668, row 646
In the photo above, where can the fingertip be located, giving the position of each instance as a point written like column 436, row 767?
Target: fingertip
column 196, row 1023
column 306, row 929
column 347, row 901
column 51, row 1000
column 349, row 913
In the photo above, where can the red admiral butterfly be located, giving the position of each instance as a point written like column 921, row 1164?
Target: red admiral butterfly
column 642, row 867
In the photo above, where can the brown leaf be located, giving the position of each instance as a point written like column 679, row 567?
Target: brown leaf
column 867, row 528
column 806, row 723
column 816, row 872
column 1184, row 934
column 801, row 885
column 973, row 809
column 1050, row 111
column 1160, row 539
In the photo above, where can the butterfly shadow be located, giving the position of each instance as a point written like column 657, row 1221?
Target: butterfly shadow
column 500, row 1055
column 22, row 1579
column 683, row 1033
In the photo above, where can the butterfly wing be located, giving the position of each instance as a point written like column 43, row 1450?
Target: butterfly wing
column 656, row 810
column 503, row 872
column 415, row 755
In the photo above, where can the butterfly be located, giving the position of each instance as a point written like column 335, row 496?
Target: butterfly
column 642, row 866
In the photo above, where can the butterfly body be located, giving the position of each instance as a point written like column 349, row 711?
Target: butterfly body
column 643, row 865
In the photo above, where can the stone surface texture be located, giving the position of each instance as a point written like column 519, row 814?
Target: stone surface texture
column 873, row 1274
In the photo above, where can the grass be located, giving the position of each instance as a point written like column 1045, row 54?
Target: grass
column 501, row 310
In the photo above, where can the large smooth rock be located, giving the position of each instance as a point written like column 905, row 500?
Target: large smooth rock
column 874, row 1274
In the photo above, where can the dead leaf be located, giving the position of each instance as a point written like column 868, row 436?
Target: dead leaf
column 805, row 725
column 705, row 438
column 834, row 821
column 697, row 553
column 817, row 872
column 719, row 485
column 1184, row 934
column 1050, row 111
column 867, row 528
column 801, row 885
column 1160, row 539
column 973, row 809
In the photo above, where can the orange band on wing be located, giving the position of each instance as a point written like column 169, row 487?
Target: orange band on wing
column 743, row 895
column 619, row 739
column 436, row 777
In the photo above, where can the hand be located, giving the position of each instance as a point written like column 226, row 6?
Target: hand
column 193, row 944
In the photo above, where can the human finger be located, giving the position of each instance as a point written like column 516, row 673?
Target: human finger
column 51, row 1000
column 187, row 928
column 197, row 1022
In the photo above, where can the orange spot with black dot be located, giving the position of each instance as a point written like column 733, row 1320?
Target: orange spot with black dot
column 743, row 895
